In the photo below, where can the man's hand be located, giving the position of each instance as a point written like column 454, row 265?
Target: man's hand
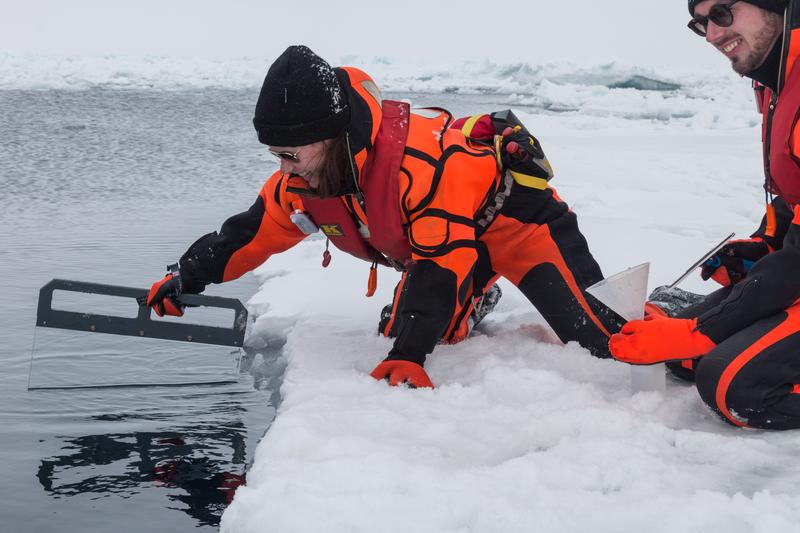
column 657, row 339
column 397, row 372
column 163, row 294
column 732, row 262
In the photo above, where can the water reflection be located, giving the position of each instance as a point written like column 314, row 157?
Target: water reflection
column 198, row 466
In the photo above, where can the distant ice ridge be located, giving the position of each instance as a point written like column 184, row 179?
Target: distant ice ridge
column 716, row 99
column 24, row 71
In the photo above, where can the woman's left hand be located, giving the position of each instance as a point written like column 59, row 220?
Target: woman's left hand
column 397, row 372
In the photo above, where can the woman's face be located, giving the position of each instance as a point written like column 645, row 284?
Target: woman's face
column 303, row 161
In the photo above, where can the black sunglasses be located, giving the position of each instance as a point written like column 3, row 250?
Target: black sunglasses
column 719, row 14
column 289, row 156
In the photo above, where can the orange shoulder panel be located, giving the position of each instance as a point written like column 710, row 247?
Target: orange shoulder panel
column 367, row 89
column 449, row 174
column 794, row 51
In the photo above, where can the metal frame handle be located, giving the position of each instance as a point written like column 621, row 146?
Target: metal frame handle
column 142, row 325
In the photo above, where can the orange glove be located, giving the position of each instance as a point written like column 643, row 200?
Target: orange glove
column 163, row 293
column 398, row 372
column 658, row 339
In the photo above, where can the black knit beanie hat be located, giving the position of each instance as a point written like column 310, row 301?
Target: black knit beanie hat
column 776, row 6
column 301, row 101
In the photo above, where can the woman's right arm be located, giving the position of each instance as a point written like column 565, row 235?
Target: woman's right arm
column 245, row 240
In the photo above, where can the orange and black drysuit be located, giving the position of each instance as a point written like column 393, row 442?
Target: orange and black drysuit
column 752, row 377
column 427, row 200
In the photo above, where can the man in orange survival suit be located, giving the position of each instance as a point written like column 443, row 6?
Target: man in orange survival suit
column 741, row 344
column 400, row 188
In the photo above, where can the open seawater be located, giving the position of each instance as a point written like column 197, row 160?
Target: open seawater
column 110, row 186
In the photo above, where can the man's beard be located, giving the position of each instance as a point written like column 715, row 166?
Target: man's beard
column 761, row 45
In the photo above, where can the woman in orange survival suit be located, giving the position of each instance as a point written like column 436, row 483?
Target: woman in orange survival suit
column 408, row 190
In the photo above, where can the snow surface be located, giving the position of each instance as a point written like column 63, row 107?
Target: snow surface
column 523, row 433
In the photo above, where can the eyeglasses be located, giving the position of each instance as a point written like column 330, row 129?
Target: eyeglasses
column 289, row 156
column 719, row 14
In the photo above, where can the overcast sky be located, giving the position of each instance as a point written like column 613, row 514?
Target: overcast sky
column 641, row 32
